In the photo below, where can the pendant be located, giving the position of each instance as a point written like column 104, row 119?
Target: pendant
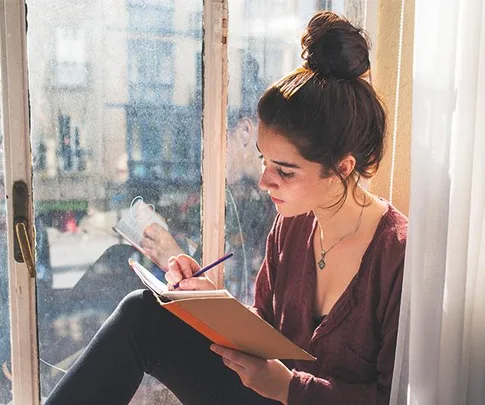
column 321, row 263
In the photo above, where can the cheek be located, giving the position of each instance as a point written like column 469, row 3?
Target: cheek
column 308, row 195
column 309, row 188
column 301, row 195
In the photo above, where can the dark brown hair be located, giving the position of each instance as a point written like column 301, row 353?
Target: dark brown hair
column 326, row 108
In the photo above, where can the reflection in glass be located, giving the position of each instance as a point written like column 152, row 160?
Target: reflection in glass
column 5, row 349
column 115, row 90
column 263, row 46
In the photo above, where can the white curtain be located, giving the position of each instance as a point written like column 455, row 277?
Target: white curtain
column 440, row 357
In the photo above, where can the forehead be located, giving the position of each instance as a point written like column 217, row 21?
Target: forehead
column 272, row 144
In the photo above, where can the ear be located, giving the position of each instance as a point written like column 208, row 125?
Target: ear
column 346, row 166
column 246, row 128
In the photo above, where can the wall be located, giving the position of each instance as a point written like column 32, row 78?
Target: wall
column 385, row 77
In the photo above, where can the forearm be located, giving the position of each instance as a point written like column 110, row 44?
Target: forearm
column 306, row 389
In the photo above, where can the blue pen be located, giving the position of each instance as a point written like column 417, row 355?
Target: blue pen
column 208, row 267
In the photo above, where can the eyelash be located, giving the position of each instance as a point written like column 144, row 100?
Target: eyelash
column 281, row 173
column 285, row 174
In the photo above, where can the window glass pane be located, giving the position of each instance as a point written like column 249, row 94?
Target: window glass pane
column 354, row 10
column 115, row 95
column 5, row 363
column 158, row 19
column 264, row 45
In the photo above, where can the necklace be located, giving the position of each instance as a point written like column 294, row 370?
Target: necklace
column 321, row 263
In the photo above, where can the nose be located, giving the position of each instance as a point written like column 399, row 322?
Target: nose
column 267, row 181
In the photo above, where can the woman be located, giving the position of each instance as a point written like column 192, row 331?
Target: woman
column 332, row 275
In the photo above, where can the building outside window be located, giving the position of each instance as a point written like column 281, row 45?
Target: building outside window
column 151, row 16
column 150, row 71
column 70, row 65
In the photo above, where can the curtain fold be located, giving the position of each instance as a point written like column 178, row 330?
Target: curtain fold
column 440, row 356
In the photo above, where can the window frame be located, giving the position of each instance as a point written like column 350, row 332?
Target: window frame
column 18, row 166
column 214, row 77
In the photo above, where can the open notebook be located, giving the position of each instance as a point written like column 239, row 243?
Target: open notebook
column 223, row 319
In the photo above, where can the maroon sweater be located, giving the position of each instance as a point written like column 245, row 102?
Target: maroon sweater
column 355, row 344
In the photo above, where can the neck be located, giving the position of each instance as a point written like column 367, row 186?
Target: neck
column 338, row 221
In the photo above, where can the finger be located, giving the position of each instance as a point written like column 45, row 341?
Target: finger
column 246, row 361
column 234, row 356
column 174, row 273
column 235, row 367
column 197, row 283
column 222, row 351
column 153, row 231
column 170, row 279
column 188, row 266
column 148, row 243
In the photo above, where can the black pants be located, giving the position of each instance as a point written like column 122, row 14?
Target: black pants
column 142, row 337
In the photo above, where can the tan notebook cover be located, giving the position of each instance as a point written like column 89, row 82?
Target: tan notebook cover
column 224, row 320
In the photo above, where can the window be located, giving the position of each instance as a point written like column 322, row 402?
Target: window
column 151, row 71
column 135, row 130
column 5, row 349
column 116, row 112
column 70, row 65
column 156, row 16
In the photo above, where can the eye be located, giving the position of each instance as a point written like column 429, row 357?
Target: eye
column 281, row 173
column 285, row 175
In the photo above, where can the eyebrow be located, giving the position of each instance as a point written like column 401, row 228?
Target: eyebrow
column 284, row 164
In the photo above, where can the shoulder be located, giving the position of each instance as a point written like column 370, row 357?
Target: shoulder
column 389, row 246
column 393, row 229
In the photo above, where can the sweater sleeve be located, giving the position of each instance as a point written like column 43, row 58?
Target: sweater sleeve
column 264, row 285
column 306, row 389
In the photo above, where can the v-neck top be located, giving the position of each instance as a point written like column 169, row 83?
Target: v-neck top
column 355, row 343
column 318, row 320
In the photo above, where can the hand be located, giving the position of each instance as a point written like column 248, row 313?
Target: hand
column 159, row 244
column 181, row 268
column 269, row 378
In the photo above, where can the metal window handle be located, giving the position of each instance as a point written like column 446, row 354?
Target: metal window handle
column 22, row 242
column 25, row 247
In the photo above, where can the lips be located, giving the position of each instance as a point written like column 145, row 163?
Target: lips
column 276, row 200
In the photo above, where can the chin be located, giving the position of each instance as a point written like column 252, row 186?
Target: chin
column 289, row 211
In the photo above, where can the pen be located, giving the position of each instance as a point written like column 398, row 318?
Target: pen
column 208, row 267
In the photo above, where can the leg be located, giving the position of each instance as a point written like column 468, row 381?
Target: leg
column 140, row 337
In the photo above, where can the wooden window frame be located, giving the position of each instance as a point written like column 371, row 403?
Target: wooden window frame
column 18, row 167
column 215, row 85
column 18, row 160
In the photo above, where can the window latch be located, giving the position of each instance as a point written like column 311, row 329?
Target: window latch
column 23, row 252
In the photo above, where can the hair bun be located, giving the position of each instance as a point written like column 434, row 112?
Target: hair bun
column 333, row 47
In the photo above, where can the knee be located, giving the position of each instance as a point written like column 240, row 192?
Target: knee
column 136, row 305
